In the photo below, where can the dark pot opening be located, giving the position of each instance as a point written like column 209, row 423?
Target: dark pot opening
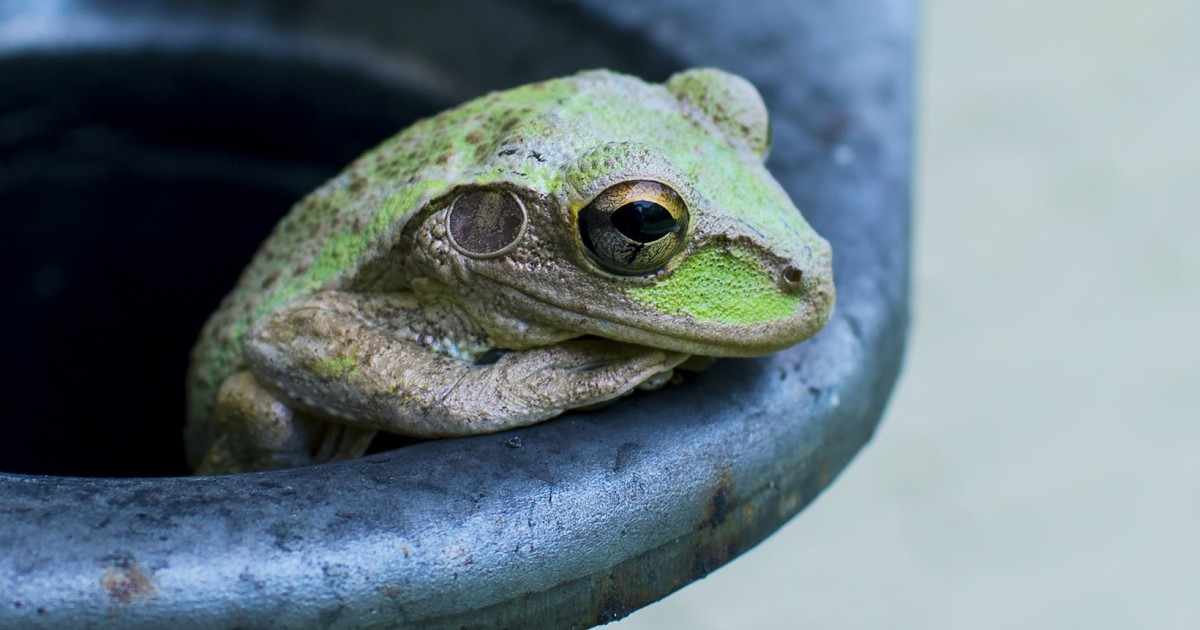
column 134, row 186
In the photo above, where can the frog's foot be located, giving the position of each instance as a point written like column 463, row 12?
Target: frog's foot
column 588, row 373
column 255, row 431
column 694, row 363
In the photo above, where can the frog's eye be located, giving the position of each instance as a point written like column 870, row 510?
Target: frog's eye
column 634, row 227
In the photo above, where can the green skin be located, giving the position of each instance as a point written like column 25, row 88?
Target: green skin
column 361, row 313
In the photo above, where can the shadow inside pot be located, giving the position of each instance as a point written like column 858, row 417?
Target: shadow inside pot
column 134, row 188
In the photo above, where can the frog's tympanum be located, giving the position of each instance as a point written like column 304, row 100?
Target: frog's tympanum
column 551, row 247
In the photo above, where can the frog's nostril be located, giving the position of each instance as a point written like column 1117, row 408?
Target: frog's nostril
column 792, row 275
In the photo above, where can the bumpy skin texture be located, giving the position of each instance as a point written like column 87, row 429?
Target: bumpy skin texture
column 360, row 313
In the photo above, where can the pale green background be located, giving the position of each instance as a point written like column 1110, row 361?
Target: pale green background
column 1039, row 465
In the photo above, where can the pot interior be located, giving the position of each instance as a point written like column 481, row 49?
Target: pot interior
column 134, row 186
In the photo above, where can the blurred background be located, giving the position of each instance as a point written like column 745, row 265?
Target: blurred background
column 1038, row 465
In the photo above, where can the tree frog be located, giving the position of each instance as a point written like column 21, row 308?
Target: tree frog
column 550, row 247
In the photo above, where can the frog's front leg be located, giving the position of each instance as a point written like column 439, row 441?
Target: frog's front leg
column 360, row 360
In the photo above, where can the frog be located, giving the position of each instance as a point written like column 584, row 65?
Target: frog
column 547, row 248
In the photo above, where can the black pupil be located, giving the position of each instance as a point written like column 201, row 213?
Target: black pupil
column 644, row 221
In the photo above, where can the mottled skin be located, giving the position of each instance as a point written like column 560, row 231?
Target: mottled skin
column 359, row 313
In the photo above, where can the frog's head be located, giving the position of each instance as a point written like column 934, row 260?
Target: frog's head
column 641, row 213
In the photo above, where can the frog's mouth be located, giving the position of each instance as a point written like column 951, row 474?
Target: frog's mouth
column 706, row 341
column 678, row 333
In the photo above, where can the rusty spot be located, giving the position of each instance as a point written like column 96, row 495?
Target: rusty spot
column 710, row 555
column 826, row 474
column 611, row 609
column 719, row 540
column 615, row 600
column 126, row 580
column 718, row 502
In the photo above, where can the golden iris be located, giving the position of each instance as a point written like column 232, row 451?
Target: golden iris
column 634, row 227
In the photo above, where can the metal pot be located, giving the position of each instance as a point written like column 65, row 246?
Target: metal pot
column 147, row 147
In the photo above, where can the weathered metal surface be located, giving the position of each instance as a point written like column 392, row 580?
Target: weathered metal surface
column 571, row 523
